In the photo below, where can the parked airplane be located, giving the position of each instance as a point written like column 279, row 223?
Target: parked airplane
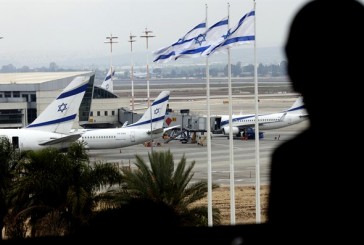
column 52, row 126
column 108, row 84
column 148, row 127
column 240, row 123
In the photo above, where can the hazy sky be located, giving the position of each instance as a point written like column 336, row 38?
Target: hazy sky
column 42, row 31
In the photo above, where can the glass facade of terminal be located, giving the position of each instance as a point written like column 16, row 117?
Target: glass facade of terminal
column 12, row 117
column 85, row 107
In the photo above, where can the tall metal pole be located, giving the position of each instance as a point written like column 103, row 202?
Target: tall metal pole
column 111, row 41
column 147, row 36
column 131, row 40
column 231, row 144
column 256, row 128
column 208, row 125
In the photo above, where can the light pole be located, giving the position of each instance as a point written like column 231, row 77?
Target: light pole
column 147, row 36
column 111, row 41
column 131, row 40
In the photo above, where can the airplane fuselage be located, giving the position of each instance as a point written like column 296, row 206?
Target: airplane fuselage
column 289, row 119
column 28, row 139
column 266, row 122
column 116, row 137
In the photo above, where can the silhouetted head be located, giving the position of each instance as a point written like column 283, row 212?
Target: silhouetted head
column 324, row 51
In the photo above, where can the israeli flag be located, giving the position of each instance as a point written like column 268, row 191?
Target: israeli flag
column 166, row 54
column 242, row 33
column 215, row 34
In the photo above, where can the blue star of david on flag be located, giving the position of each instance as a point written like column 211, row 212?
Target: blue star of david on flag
column 204, row 40
column 200, row 39
column 227, row 34
column 62, row 107
column 156, row 111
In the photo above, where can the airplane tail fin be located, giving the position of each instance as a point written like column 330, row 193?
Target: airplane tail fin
column 297, row 107
column 59, row 116
column 155, row 113
column 108, row 84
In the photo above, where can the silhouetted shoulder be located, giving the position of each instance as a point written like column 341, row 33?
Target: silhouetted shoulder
column 314, row 180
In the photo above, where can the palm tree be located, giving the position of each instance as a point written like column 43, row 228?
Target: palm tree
column 61, row 188
column 88, row 184
column 9, row 158
column 163, row 183
column 39, row 189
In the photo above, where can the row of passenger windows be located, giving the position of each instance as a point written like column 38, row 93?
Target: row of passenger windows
column 98, row 137
column 253, row 120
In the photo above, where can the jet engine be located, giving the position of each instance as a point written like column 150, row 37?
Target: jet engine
column 226, row 131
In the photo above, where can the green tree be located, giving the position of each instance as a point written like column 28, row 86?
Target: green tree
column 39, row 189
column 87, row 185
column 164, row 183
column 9, row 158
column 61, row 189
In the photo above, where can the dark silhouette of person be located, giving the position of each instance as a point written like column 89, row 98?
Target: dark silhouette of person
column 315, row 181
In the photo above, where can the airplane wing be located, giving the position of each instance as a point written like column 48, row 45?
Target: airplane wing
column 169, row 128
column 163, row 130
column 156, row 131
column 283, row 116
column 68, row 138
column 124, row 124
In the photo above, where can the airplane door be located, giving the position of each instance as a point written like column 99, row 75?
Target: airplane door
column 132, row 136
column 15, row 142
column 215, row 123
column 118, row 136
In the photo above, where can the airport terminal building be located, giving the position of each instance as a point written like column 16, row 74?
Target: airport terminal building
column 23, row 96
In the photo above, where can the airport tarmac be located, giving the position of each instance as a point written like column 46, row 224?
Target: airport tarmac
column 244, row 160
column 275, row 94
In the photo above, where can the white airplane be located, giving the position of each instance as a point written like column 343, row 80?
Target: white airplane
column 240, row 123
column 51, row 128
column 108, row 84
column 148, row 127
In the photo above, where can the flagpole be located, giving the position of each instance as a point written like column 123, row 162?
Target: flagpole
column 131, row 40
column 231, row 152
column 147, row 36
column 257, row 163
column 208, row 125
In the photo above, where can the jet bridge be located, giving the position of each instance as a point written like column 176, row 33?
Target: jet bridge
column 192, row 128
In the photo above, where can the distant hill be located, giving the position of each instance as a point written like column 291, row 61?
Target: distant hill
column 271, row 55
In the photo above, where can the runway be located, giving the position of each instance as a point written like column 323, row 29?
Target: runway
column 244, row 160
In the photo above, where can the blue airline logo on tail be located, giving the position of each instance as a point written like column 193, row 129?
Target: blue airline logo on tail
column 62, row 107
